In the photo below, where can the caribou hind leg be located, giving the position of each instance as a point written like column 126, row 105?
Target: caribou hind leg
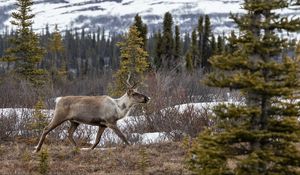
column 56, row 121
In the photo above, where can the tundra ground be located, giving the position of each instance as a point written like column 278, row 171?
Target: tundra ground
column 163, row 158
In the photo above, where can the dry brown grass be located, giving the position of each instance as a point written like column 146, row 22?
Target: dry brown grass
column 163, row 158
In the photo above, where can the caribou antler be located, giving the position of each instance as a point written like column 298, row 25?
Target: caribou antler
column 128, row 84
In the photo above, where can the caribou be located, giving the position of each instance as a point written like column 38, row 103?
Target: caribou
column 102, row 111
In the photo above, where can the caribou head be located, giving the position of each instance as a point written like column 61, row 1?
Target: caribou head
column 133, row 93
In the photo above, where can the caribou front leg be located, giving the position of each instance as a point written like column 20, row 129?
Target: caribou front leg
column 118, row 132
column 98, row 137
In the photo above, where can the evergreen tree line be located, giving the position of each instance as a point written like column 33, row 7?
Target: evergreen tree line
column 191, row 51
column 77, row 51
column 80, row 52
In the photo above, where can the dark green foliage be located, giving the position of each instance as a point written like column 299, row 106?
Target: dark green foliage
column 25, row 50
column 189, row 62
column 206, row 43
column 158, row 51
column 177, row 43
column 232, row 43
column 143, row 31
column 193, row 50
column 142, row 28
column 177, row 47
column 4, row 43
column 168, row 42
column 200, row 41
column 57, row 68
column 186, row 43
column 220, row 45
column 259, row 136
column 213, row 45
column 89, row 56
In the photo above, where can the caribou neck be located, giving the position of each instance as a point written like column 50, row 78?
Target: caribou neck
column 124, row 103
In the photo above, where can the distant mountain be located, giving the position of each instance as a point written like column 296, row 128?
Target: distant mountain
column 117, row 15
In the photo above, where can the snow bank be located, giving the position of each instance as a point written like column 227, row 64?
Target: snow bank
column 22, row 112
column 109, row 135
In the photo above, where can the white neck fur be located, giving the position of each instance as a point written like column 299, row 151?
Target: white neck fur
column 124, row 103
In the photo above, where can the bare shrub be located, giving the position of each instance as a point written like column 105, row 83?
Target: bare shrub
column 20, row 93
column 83, row 86
column 16, row 93
column 16, row 123
column 174, row 123
column 8, row 126
column 162, row 115
column 166, row 113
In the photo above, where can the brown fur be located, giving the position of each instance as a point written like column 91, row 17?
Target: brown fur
column 101, row 111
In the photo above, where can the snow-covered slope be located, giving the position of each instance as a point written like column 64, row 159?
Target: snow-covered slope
column 109, row 136
column 117, row 15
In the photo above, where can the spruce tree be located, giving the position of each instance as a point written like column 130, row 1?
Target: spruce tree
column 168, row 42
column 213, row 45
column 194, row 50
column 151, row 48
column 220, row 45
column 158, row 51
column 232, row 46
column 177, row 47
column 186, row 43
column 56, row 50
column 206, row 48
column 39, row 120
column 25, row 50
column 189, row 62
column 259, row 136
column 142, row 29
column 200, row 41
column 133, row 61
